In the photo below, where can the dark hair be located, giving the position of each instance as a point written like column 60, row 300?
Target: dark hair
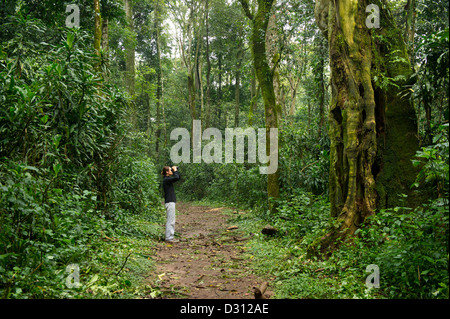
column 165, row 170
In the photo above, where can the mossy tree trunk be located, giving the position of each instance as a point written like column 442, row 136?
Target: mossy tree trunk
column 265, row 75
column 130, row 48
column 97, row 27
column 372, row 127
column 208, row 68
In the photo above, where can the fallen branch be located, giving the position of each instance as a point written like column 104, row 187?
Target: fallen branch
column 123, row 264
column 104, row 237
column 320, row 269
column 236, row 258
column 259, row 292
column 242, row 239
column 308, row 166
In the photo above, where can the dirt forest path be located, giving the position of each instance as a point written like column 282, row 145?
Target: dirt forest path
column 208, row 262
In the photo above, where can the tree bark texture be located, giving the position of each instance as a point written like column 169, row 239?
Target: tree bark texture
column 157, row 27
column 97, row 27
column 130, row 48
column 372, row 129
column 265, row 77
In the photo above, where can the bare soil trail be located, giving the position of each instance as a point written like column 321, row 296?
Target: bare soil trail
column 208, row 262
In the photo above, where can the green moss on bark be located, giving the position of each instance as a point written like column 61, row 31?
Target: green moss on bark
column 372, row 130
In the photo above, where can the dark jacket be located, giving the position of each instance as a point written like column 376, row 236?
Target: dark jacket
column 169, row 192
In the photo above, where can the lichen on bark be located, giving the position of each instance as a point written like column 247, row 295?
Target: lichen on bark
column 369, row 154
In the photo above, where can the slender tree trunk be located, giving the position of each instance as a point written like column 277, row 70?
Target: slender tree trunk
column 264, row 74
column 410, row 9
column 130, row 49
column 208, row 69
column 191, row 91
column 427, row 126
column 237, row 89
column 321, row 95
column 105, row 44
column 198, row 71
column 294, row 87
column 157, row 27
column 105, row 34
column 372, row 130
column 309, row 115
column 253, row 95
column 97, row 27
column 219, row 93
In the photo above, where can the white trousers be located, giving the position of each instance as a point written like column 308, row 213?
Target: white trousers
column 170, row 220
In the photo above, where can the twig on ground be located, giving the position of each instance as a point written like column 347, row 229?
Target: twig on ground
column 123, row 264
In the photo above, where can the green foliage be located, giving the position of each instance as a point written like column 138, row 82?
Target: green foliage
column 136, row 184
column 42, row 228
column 411, row 249
column 303, row 160
column 245, row 187
column 69, row 177
column 435, row 163
column 301, row 216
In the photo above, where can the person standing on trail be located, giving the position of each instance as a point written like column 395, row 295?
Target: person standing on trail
column 171, row 175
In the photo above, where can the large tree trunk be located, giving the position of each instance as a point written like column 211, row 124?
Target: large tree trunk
column 372, row 129
column 265, row 75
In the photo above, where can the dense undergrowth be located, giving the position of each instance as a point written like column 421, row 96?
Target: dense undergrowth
column 410, row 248
column 73, row 176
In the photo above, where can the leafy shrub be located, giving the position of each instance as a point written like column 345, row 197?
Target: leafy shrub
column 303, row 160
column 411, row 249
column 42, row 228
column 435, row 163
column 244, row 185
column 301, row 216
column 136, row 183
column 62, row 161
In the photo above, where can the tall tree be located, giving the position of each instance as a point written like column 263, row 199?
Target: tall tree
column 410, row 9
column 208, row 68
column 157, row 32
column 372, row 126
column 130, row 48
column 97, row 27
column 265, row 74
column 188, row 16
